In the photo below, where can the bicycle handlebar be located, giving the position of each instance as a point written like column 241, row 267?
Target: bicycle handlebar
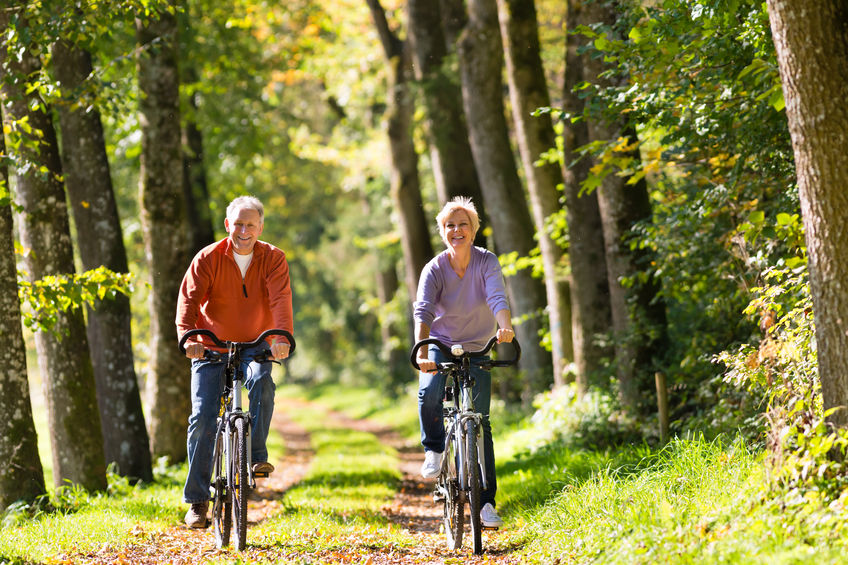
column 447, row 351
column 241, row 345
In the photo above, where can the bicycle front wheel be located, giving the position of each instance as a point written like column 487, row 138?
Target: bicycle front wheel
column 222, row 518
column 240, row 483
column 474, row 487
column 454, row 503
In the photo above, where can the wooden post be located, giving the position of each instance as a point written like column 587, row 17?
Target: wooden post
column 662, row 405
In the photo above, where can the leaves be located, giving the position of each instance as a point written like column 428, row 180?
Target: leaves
column 46, row 298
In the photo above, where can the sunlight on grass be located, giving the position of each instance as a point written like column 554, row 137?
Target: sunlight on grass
column 692, row 502
column 338, row 505
column 85, row 522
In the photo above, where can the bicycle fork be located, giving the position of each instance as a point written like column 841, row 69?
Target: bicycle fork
column 477, row 418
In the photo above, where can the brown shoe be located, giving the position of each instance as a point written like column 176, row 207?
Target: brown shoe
column 196, row 515
column 262, row 468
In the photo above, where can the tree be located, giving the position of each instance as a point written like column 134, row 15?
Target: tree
column 195, row 185
column 63, row 357
column 164, row 224
column 529, row 92
column 811, row 40
column 447, row 133
column 590, row 295
column 21, row 477
column 100, row 242
column 405, row 184
column 638, row 311
column 481, row 62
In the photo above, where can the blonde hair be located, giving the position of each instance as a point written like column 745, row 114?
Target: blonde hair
column 245, row 203
column 463, row 203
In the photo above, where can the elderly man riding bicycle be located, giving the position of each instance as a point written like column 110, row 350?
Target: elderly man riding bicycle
column 237, row 287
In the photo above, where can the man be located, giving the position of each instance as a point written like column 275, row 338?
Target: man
column 237, row 288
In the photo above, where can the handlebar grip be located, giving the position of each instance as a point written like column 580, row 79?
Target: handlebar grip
column 200, row 331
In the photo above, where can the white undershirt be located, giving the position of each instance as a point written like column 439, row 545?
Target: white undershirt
column 243, row 261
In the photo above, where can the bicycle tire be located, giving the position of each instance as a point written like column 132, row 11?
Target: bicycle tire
column 222, row 518
column 454, row 503
column 474, row 487
column 240, row 484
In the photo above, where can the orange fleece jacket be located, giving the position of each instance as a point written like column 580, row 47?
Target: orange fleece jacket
column 214, row 296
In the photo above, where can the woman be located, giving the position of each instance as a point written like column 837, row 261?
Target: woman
column 461, row 300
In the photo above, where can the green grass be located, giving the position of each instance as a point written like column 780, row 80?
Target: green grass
column 337, row 506
column 84, row 522
column 693, row 502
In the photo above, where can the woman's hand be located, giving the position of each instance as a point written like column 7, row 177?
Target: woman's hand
column 425, row 364
column 505, row 335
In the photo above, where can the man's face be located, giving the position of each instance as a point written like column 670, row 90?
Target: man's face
column 244, row 229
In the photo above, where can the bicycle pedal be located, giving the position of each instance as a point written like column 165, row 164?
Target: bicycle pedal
column 491, row 528
column 260, row 475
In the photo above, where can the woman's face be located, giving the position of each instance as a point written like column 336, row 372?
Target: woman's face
column 457, row 230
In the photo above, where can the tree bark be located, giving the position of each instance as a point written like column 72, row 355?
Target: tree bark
column 811, row 40
column 481, row 62
column 164, row 225
column 447, row 134
column 405, row 184
column 68, row 377
column 21, row 475
column 528, row 92
column 638, row 313
column 100, row 241
column 591, row 318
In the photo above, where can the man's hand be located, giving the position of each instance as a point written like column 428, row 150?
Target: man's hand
column 280, row 350
column 425, row 364
column 195, row 350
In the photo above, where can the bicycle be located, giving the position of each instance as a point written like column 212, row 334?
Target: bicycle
column 232, row 473
column 462, row 475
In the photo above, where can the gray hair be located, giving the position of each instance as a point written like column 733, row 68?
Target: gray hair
column 246, row 203
column 459, row 203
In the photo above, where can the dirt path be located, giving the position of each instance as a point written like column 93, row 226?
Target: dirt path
column 412, row 508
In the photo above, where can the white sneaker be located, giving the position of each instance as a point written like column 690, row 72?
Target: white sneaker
column 432, row 464
column 489, row 517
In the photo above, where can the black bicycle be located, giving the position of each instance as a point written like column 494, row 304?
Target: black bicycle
column 462, row 476
column 232, row 473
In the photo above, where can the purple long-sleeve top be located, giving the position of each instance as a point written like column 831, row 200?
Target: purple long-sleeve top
column 461, row 310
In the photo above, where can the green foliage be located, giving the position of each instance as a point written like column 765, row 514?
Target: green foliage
column 53, row 294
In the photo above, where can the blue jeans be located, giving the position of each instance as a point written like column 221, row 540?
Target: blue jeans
column 207, row 384
column 431, row 392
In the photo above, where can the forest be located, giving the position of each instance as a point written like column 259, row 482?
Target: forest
column 661, row 180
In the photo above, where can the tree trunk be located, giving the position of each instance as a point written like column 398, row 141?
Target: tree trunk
column 590, row 295
column 811, row 40
column 200, row 224
column 164, row 225
column 447, row 134
column 89, row 184
column 638, row 314
column 68, row 377
column 21, row 475
column 481, row 62
column 528, row 92
column 405, row 187
column 201, row 227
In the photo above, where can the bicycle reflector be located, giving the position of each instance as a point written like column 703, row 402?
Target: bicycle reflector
column 456, row 350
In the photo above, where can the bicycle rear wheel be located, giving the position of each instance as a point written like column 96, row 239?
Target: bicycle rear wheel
column 240, row 483
column 454, row 503
column 474, row 487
